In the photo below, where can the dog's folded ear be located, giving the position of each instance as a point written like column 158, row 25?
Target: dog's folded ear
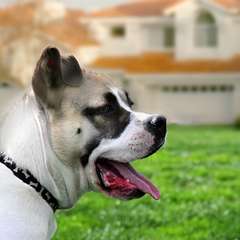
column 54, row 72
column 71, row 71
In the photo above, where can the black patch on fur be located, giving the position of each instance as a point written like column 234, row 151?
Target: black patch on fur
column 90, row 147
column 85, row 160
column 112, row 123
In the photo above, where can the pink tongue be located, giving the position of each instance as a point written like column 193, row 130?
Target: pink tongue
column 136, row 178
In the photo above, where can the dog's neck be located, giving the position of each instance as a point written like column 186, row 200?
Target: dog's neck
column 19, row 135
column 24, row 139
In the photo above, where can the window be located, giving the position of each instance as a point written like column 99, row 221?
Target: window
column 159, row 37
column 194, row 88
column 118, row 31
column 169, row 36
column 206, row 30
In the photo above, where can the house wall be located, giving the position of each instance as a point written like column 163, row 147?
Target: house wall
column 237, row 33
column 183, row 18
column 122, row 46
column 185, row 22
column 127, row 45
column 87, row 54
column 135, row 40
column 147, row 37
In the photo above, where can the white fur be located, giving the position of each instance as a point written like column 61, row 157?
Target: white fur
column 23, row 137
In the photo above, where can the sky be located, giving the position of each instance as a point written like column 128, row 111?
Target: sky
column 87, row 5
column 91, row 5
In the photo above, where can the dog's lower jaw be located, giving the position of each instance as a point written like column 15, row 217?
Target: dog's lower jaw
column 120, row 180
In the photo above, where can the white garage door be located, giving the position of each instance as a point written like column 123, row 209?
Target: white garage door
column 196, row 104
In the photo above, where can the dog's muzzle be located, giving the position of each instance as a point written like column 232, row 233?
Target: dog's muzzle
column 121, row 180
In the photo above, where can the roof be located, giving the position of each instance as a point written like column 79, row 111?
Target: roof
column 230, row 4
column 20, row 14
column 70, row 30
column 20, row 18
column 144, row 8
column 165, row 63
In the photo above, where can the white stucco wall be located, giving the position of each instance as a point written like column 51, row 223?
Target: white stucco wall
column 129, row 44
column 87, row 54
column 135, row 40
column 185, row 15
column 146, row 35
column 122, row 46
column 237, row 33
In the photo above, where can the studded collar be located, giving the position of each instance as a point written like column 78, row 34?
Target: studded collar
column 29, row 179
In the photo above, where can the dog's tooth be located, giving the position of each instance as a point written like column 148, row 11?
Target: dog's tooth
column 108, row 173
column 127, row 180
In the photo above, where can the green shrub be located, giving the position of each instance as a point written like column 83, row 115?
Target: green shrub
column 237, row 123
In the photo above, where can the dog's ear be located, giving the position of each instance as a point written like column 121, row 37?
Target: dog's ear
column 71, row 71
column 52, row 74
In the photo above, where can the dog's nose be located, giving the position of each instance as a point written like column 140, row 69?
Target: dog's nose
column 158, row 122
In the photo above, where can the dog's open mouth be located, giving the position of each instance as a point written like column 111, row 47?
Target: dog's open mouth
column 124, row 181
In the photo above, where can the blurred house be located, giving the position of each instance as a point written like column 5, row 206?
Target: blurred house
column 29, row 27
column 180, row 58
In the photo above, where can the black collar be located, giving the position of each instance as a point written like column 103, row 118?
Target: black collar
column 29, row 179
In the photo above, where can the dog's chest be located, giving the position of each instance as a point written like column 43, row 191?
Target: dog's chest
column 21, row 205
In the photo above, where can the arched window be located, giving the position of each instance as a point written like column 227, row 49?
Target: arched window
column 206, row 30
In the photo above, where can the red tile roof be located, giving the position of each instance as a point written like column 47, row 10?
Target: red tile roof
column 143, row 8
column 20, row 14
column 230, row 4
column 140, row 8
column 165, row 63
column 70, row 30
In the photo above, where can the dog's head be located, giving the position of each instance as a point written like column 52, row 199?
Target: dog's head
column 92, row 128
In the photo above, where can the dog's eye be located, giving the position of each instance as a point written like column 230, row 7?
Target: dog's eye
column 104, row 109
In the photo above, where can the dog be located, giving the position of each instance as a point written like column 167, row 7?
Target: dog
column 73, row 132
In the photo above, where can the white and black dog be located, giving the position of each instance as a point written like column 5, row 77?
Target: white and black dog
column 74, row 132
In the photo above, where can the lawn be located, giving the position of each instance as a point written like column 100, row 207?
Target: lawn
column 198, row 174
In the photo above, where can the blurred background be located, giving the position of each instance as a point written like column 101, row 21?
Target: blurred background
column 178, row 58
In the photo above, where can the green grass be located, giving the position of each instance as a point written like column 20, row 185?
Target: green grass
column 198, row 174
